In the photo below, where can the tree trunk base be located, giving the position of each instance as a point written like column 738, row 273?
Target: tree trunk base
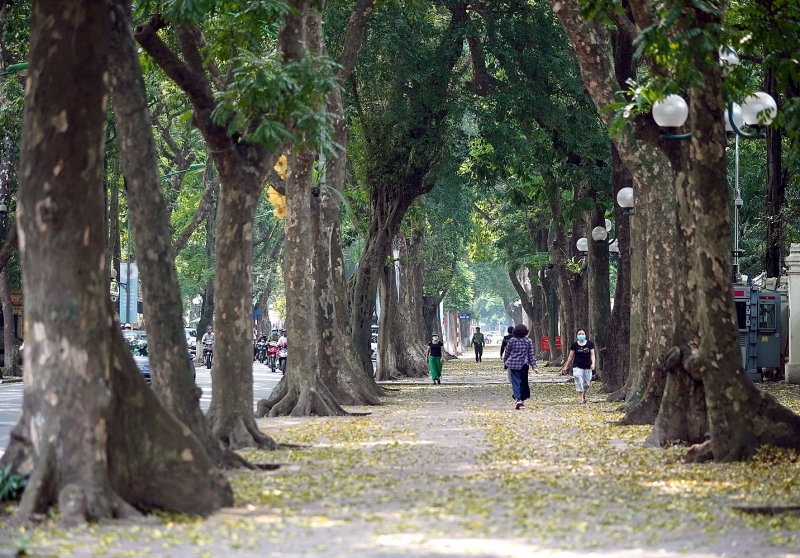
column 646, row 409
column 238, row 431
column 297, row 401
column 163, row 466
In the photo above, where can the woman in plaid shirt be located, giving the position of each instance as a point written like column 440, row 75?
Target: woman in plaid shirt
column 518, row 356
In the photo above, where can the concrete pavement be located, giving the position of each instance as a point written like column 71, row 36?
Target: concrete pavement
column 11, row 397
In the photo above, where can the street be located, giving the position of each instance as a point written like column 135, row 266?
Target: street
column 11, row 397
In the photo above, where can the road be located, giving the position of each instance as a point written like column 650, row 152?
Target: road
column 11, row 397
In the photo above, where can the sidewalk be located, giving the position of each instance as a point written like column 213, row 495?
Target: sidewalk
column 453, row 470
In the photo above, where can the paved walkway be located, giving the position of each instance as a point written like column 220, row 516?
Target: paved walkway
column 453, row 470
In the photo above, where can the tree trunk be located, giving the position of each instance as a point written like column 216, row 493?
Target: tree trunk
column 230, row 414
column 207, row 304
column 348, row 381
column 430, row 315
column 775, row 192
column 84, row 395
column 302, row 392
column 401, row 342
column 171, row 375
column 10, row 348
column 598, row 291
column 616, row 363
column 741, row 418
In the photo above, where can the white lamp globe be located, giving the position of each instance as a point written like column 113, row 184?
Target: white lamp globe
column 728, row 59
column 737, row 118
column 671, row 112
column 614, row 247
column 582, row 245
column 625, row 197
column 609, row 224
column 599, row 233
column 759, row 102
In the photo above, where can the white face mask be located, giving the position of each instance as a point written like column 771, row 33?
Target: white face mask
column 435, row 339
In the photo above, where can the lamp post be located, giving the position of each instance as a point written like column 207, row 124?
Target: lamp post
column 195, row 167
column 396, row 254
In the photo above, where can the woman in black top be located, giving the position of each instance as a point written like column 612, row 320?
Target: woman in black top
column 435, row 348
column 582, row 352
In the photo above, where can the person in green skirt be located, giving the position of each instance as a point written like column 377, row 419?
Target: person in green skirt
column 435, row 354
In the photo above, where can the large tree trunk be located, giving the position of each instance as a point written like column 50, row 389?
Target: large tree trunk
column 598, row 290
column 775, row 191
column 84, row 394
column 401, row 341
column 243, row 168
column 741, row 418
column 10, row 349
column 616, row 362
column 230, row 414
column 302, row 392
column 172, row 377
column 349, row 382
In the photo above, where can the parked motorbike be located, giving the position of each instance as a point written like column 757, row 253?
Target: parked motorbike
column 208, row 354
column 272, row 354
column 261, row 350
column 282, row 352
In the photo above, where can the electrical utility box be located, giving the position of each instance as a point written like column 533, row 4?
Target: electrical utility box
column 758, row 314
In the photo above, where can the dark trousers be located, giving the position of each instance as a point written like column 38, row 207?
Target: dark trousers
column 519, row 384
column 478, row 352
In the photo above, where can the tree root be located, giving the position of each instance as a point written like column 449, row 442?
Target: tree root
column 301, row 402
column 700, row 453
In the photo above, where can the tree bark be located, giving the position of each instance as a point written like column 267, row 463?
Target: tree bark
column 243, row 168
column 348, row 382
column 598, row 290
column 401, row 341
column 301, row 392
column 172, row 378
column 84, row 394
column 741, row 418
column 775, row 192
column 10, row 347
column 616, row 364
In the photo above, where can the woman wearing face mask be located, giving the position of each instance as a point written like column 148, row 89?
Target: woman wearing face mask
column 435, row 348
column 582, row 352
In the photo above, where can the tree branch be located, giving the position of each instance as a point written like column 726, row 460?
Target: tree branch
column 206, row 201
column 193, row 83
column 354, row 37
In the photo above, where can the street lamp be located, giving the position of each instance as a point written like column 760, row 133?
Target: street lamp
column 396, row 254
column 582, row 245
column 625, row 200
column 194, row 167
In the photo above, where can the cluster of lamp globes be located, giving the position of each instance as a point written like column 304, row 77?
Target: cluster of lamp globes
column 757, row 109
column 673, row 111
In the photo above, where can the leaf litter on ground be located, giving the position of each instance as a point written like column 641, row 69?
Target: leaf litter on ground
column 454, row 470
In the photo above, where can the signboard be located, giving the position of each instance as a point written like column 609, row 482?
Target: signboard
column 257, row 315
column 128, row 293
column 464, row 316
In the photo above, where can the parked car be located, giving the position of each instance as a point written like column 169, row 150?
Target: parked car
column 137, row 343
column 191, row 340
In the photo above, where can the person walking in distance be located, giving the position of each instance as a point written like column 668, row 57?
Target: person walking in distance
column 435, row 354
column 518, row 358
column 504, row 344
column 582, row 353
column 477, row 342
column 506, row 339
